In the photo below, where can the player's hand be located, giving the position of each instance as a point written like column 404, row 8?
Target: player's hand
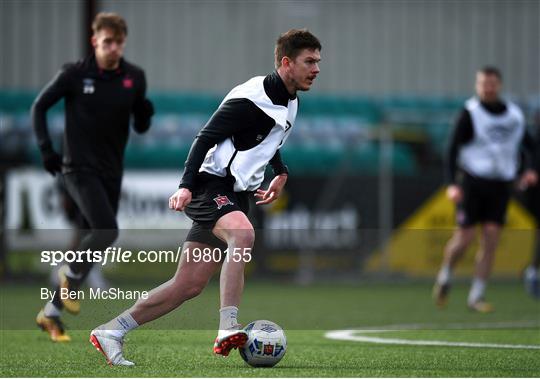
column 273, row 191
column 143, row 113
column 454, row 193
column 528, row 179
column 180, row 199
column 52, row 161
column 147, row 108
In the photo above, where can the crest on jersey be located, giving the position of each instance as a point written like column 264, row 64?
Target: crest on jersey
column 88, row 86
column 128, row 82
column 500, row 133
column 222, row 200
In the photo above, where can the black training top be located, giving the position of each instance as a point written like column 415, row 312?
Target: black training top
column 98, row 105
column 464, row 133
column 244, row 122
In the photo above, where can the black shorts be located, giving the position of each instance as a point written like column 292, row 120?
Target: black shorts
column 532, row 202
column 96, row 197
column 212, row 198
column 484, row 200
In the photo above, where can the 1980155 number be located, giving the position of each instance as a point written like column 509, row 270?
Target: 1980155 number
column 208, row 255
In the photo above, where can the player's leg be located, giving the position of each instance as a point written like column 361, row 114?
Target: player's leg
column 536, row 258
column 97, row 200
column 211, row 202
column 483, row 264
column 493, row 216
column 190, row 279
column 48, row 319
column 99, row 211
column 491, row 233
column 532, row 271
column 236, row 229
column 457, row 245
column 216, row 203
column 454, row 250
column 113, row 187
column 467, row 216
column 74, row 217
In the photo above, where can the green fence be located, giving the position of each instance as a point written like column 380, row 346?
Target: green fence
column 331, row 131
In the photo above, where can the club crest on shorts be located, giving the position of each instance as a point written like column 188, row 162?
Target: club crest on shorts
column 222, row 200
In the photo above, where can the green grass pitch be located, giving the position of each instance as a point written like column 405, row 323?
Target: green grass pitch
column 179, row 345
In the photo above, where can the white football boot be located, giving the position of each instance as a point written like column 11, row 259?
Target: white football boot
column 110, row 346
column 229, row 339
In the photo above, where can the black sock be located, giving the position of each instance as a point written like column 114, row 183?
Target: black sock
column 56, row 299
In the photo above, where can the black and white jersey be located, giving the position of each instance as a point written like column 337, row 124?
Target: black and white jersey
column 493, row 152
column 488, row 141
column 244, row 134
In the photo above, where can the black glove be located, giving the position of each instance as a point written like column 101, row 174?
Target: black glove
column 147, row 110
column 52, row 161
column 143, row 114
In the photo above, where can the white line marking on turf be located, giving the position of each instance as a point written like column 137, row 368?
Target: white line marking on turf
column 456, row 325
column 356, row 334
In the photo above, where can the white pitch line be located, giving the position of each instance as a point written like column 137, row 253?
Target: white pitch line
column 460, row 325
column 354, row 335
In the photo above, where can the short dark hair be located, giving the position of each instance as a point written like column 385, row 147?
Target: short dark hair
column 112, row 21
column 291, row 44
column 491, row 70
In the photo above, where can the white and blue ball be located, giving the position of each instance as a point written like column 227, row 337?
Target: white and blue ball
column 266, row 344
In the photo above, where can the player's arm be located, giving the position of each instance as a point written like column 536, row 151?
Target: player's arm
column 55, row 90
column 143, row 109
column 529, row 154
column 462, row 133
column 281, row 173
column 277, row 164
column 232, row 117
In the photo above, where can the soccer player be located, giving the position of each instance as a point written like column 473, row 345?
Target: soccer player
column 486, row 144
column 225, row 166
column 531, row 275
column 101, row 93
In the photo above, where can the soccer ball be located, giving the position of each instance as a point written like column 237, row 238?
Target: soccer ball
column 266, row 344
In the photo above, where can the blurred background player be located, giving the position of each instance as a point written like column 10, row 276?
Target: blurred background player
column 532, row 199
column 486, row 146
column 101, row 93
column 225, row 166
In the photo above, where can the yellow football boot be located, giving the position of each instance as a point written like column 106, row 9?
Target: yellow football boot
column 53, row 326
